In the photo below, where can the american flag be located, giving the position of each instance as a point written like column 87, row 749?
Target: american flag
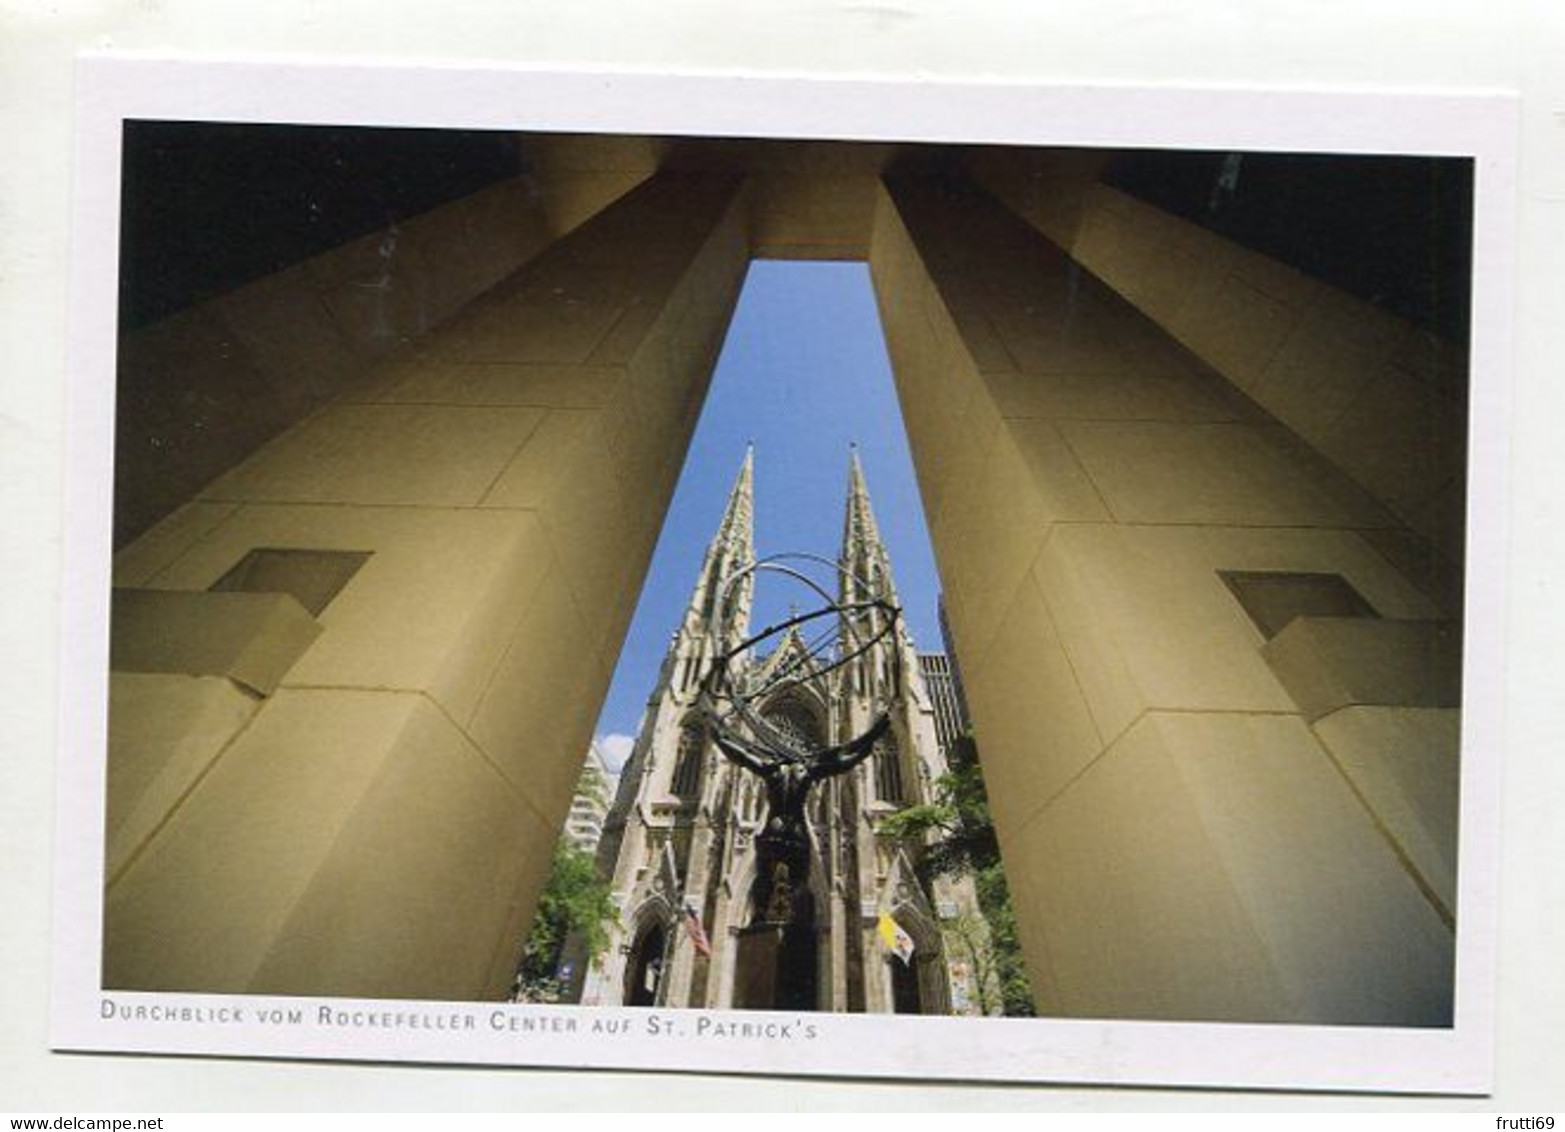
column 697, row 933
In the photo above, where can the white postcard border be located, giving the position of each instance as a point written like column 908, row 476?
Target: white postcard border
column 113, row 88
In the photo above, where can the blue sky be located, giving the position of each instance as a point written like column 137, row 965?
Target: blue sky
column 803, row 373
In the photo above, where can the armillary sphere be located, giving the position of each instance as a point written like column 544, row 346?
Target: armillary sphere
column 735, row 689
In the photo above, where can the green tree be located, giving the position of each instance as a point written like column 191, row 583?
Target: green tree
column 955, row 835
column 575, row 903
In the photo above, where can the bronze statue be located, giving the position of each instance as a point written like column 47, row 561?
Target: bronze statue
column 734, row 707
column 783, row 845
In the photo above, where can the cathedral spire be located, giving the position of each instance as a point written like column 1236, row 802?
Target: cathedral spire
column 738, row 525
column 863, row 553
column 732, row 549
column 859, row 523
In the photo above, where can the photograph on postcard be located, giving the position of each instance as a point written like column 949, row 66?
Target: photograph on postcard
column 781, row 575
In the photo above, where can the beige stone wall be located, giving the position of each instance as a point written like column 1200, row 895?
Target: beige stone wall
column 1382, row 399
column 168, row 729
column 380, row 823
column 1403, row 762
column 205, row 387
column 807, row 200
column 1179, row 841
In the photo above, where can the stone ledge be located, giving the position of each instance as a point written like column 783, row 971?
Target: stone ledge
column 1328, row 663
column 251, row 638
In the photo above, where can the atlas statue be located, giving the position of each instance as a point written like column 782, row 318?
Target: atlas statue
column 788, row 765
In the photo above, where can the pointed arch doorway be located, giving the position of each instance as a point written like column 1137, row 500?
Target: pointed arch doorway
column 644, row 970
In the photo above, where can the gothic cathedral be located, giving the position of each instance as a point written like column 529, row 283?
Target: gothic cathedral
column 678, row 844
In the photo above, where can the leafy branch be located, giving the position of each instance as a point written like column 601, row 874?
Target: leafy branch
column 575, row 903
column 955, row 836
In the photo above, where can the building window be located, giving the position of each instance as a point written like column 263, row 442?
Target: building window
column 888, row 771
column 311, row 577
column 1274, row 598
column 793, row 724
column 687, row 764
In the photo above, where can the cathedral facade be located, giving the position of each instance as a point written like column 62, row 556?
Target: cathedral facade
column 679, row 842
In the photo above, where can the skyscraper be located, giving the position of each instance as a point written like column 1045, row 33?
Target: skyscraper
column 590, row 803
column 944, row 688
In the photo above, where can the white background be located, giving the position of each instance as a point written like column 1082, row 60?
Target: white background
column 1362, row 44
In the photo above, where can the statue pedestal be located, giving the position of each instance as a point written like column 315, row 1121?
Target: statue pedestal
column 775, row 967
column 756, row 967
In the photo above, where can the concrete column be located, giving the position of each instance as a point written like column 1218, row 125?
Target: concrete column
column 1382, row 399
column 204, row 388
column 719, row 976
column 696, row 883
column 681, row 956
column 379, row 823
column 878, row 996
column 1179, row 841
column 837, row 894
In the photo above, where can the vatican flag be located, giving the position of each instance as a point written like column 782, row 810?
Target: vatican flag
column 896, row 940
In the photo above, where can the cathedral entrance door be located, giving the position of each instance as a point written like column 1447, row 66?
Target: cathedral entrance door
column 644, row 972
column 905, row 997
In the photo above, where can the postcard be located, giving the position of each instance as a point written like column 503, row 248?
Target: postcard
column 785, row 576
